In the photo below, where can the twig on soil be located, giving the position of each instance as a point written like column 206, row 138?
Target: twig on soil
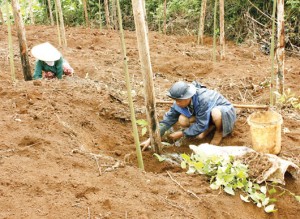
column 89, row 213
column 187, row 191
column 99, row 168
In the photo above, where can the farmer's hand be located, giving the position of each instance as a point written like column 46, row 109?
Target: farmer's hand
column 176, row 135
column 145, row 144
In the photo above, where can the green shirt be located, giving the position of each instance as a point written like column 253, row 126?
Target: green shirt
column 40, row 66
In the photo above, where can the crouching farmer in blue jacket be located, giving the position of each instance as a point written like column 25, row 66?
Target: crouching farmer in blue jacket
column 198, row 110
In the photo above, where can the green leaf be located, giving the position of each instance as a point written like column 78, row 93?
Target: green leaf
column 229, row 190
column 297, row 198
column 160, row 158
column 270, row 208
column 186, row 158
column 272, row 200
column 144, row 131
column 142, row 122
column 183, row 165
column 198, row 165
column 272, row 191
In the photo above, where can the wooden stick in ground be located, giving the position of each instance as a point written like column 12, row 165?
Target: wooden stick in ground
column 22, row 40
column 249, row 106
column 144, row 55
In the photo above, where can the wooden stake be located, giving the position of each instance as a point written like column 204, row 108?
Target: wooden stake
column 22, row 40
column 144, row 54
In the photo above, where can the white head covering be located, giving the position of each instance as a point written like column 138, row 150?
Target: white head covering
column 45, row 52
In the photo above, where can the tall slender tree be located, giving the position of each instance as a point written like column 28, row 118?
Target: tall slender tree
column 215, row 32
column 165, row 16
column 10, row 44
column 201, row 22
column 222, row 31
column 50, row 13
column 22, row 40
column 31, row 12
column 107, row 14
column 280, row 47
column 86, row 15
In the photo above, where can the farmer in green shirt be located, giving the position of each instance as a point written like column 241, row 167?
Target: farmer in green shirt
column 50, row 61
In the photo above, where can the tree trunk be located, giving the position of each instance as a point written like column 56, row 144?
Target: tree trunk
column 165, row 17
column 50, row 12
column 280, row 47
column 1, row 17
column 201, row 22
column 222, row 31
column 114, row 14
column 62, row 26
column 31, row 12
column 215, row 32
column 272, row 86
column 10, row 44
column 22, row 40
column 86, row 15
column 144, row 54
column 107, row 14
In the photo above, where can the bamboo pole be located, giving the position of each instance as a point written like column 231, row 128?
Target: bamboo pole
column 57, row 24
column 144, row 55
column 280, row 47
column 62, row 25
column 222, row 31
column 128, row 85
column 50, row 13
column 215, row 32
column 249, row 106
column 22, row 40
column 100, row 17
column 272, row 95
column 11, row 53
column 165, row 16
column 201, row 22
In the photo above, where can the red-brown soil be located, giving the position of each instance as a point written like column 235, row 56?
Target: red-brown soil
column 55, row 133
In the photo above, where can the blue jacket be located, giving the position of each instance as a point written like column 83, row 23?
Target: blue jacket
column 203, row 101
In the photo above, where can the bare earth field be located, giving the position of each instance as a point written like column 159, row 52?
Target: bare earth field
column 66, row 146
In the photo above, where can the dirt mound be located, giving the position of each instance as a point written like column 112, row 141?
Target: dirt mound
column 67, row 149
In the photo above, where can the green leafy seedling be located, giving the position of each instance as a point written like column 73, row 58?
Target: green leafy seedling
column 144, row 124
